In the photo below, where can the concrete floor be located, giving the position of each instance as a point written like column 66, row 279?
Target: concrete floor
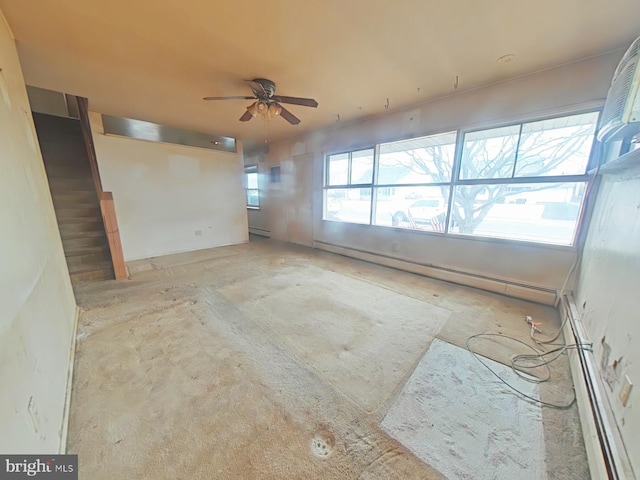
column 268, row 361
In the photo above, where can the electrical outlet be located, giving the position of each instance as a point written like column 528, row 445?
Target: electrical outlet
column 625, row 390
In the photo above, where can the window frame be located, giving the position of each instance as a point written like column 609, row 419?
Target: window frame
column 587, row 178
column 326, row 186
column 250, row 169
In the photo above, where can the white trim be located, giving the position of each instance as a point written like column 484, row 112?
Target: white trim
column 592, row 402
column 64, row 431
column 524, row 292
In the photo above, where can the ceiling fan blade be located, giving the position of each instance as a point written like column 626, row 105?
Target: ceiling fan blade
column 257, row 87
column 305, row 102
column 246, row 116
column 288, row 116
column 229, row 98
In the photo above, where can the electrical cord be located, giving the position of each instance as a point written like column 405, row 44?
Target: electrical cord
column 548, row 341
column 518, row 365
column 522, row 362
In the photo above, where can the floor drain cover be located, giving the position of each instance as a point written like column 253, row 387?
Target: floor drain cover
column 322, row 444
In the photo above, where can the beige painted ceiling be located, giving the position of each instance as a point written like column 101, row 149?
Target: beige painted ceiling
column 155, row 60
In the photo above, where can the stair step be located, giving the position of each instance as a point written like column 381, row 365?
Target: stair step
column 59, row 190
column 78, row 213
column 87, row 251
column 92, row 273
column 64, row 218
column 88, row 239
column 64, row 152
column 73, row 235
column 68, row 171
column 69, row 183
column 76, row 203
column 73, row 197
column 87, row 256
column 80, row 228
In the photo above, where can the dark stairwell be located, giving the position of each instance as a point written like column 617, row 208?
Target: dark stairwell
column 74, row 198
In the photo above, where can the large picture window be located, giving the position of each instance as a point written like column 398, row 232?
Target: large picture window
column 525, row 181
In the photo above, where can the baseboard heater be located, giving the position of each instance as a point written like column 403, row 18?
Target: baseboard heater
column 605, row 449
column 504, row 287
column 260, row 231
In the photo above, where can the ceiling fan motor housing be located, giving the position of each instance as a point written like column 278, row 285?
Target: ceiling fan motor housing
column 268, row 86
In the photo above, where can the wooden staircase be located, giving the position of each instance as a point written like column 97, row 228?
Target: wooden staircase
column 75, row 198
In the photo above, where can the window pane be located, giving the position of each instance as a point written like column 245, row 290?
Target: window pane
column 348, row 205
column 253, row 198
column 421, row 208
column 252, row 180
column 545, row 213
column 418, row 160
column 559, row 146
column 489, row 153
column 338, row 166
column 362, row 167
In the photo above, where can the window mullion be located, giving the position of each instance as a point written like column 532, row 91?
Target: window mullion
column 455, row 172
column 515, row 160
column 374, row 181
column 327, row 166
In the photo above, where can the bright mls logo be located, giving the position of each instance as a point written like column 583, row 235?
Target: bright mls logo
column 46, row 467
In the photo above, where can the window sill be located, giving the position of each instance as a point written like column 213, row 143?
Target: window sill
column 459, row 236
column 252, row 208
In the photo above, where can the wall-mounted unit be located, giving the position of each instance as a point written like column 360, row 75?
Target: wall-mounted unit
column 621, row 115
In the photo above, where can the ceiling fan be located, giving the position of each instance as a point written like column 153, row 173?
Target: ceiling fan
column 268, row 104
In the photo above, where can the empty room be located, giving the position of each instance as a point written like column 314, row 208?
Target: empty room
column 320, row 240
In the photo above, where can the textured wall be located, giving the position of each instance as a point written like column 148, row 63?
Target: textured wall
column 38, row 307
column 607, row 293
column 171, row 198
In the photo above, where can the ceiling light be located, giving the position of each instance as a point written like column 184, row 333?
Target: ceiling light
column 252, row 109
column 506, row 58
column 261, row 107
column 274, row 110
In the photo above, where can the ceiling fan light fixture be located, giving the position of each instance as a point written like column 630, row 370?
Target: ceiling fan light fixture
column 261, row 107
column 274, row 110
column 253, row 109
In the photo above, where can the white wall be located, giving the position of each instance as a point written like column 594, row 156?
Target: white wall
column 608, row 294
column 554, row 91
column 36, row 299
column 171, row 198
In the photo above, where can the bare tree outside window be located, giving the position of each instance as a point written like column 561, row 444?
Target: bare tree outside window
column 525, row 181
column 537, row 153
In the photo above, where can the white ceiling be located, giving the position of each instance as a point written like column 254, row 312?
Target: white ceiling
column 155, row 60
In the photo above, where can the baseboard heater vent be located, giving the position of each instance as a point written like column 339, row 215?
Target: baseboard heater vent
column 260, row 231
column 504, row 287
column 605, row 450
